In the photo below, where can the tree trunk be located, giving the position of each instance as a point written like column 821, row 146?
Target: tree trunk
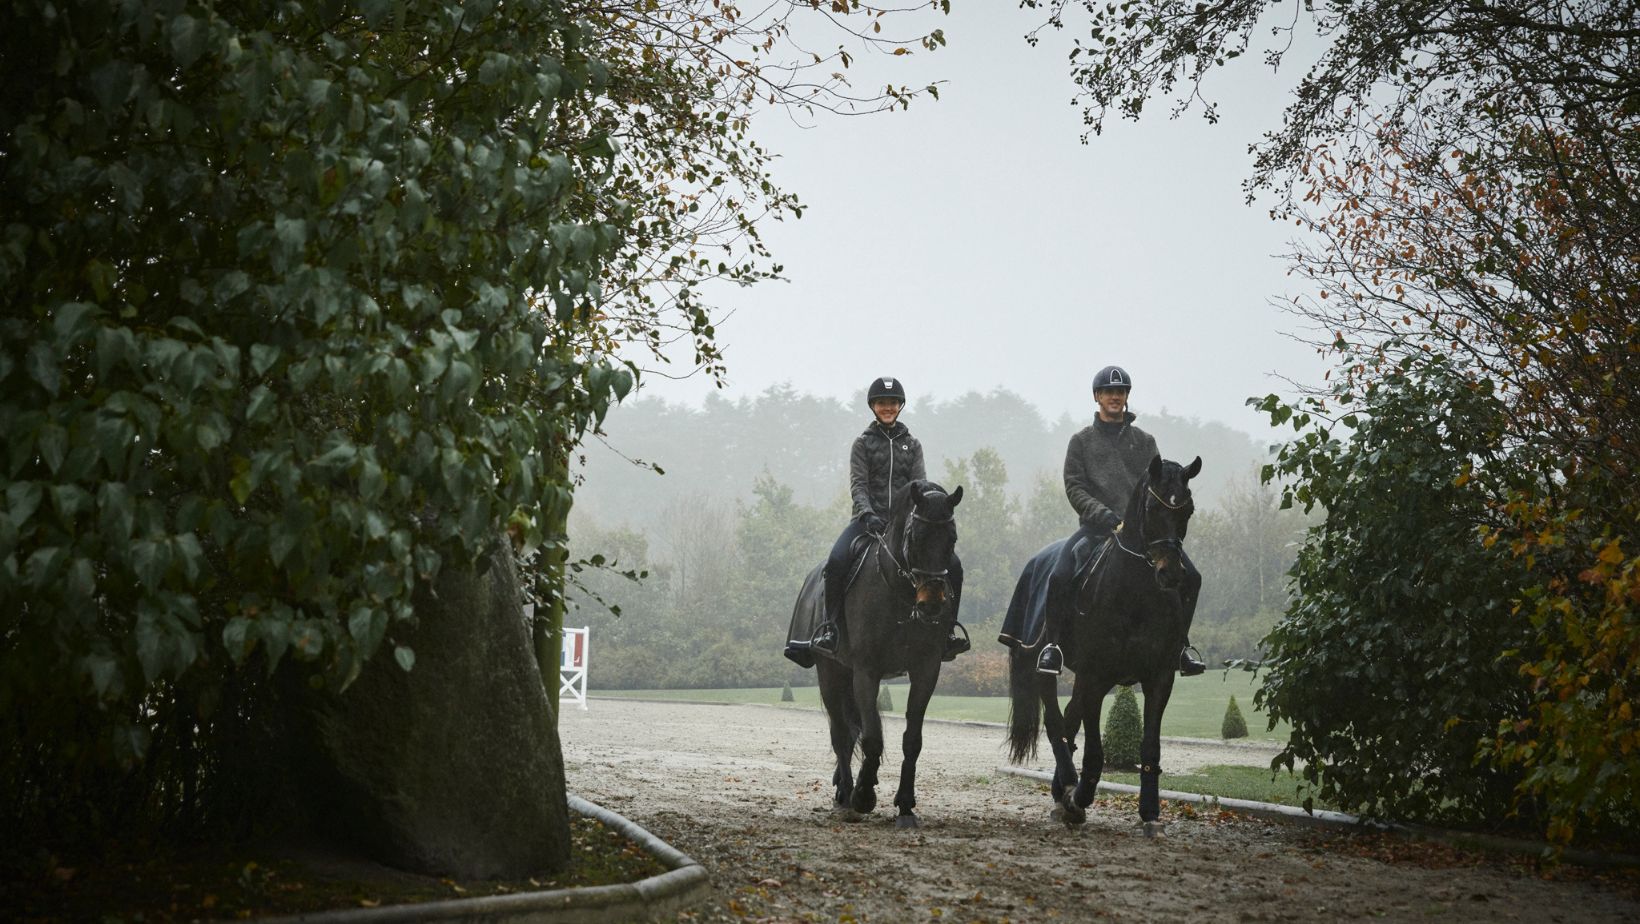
column 454, row 767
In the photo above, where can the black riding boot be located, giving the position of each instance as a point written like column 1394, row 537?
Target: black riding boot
column 1190, row 662
column 956, row 643
column 825, row 635
column 1051, row 660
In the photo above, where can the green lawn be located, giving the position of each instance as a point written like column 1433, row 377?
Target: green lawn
column 1195, row 711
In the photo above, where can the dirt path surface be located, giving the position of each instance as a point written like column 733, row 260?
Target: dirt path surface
column 746, row 791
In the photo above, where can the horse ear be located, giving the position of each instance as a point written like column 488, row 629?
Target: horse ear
column 956, row 496
column 1155, row 467
column 1193, row 469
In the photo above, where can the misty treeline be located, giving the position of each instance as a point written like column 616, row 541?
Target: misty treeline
column 754, row 492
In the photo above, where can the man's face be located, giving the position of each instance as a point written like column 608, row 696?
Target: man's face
column 1112, row 403
column 887, row 410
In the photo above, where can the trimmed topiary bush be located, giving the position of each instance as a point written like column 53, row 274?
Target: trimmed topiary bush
column 885, row 701
column 1122, row 732
column 787, row 697
column 1234, row 725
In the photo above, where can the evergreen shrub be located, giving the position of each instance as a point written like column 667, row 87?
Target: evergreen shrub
column 1234, row 725
column 1122, row 732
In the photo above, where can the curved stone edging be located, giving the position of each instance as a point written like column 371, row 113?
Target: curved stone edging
column 1329, row 819
column 683, row 884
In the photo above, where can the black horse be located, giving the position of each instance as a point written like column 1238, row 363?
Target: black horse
column 897, row 614
column 1133, row 612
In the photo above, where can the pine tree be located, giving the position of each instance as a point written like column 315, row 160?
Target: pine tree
column 786, row 693
column 885, row 701
column 1234, row 725
column 1122, row 732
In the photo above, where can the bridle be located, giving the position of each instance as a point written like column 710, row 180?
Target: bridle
column 916, row 577
column 1154, row 546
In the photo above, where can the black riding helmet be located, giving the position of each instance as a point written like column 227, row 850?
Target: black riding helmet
column 885, row 387
column 1112, row 377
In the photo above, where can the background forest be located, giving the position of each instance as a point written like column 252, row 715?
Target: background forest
column 725, row 506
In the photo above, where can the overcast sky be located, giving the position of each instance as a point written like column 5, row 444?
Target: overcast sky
column 974, row 243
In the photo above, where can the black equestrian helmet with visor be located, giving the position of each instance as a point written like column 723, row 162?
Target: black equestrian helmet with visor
column 885, row 387
column 1112, row 377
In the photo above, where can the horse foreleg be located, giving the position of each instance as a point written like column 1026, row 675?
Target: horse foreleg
column 1090, row 703
column 1061, row 728
column 836, row 688
column 864, row 798
column 924, row 678
column 1150, row 751
column 1061, row 738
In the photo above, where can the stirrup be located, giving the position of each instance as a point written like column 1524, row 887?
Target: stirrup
column 1051, row 660
column 955, row 644
column 1191, row 666
column 825, row 640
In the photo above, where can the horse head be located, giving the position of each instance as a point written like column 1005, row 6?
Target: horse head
column 923, row 530
column 1159, row 513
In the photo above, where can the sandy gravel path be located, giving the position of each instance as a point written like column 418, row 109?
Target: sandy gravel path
column 746, row 791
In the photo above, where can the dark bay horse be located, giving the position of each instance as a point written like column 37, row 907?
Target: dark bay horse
column 1133, row 612
column 896, row 616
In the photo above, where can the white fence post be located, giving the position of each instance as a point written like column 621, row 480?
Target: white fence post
column 572, row 665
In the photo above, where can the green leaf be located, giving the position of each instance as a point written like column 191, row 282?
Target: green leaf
column 150, row 558
column 236, row 638
column 263, row 356
column 405, row 657
column 52, row 442
column 22, row 499
column 41, row 363
column 187, row 38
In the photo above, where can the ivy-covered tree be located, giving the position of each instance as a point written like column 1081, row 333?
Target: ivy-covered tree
column 304, row 305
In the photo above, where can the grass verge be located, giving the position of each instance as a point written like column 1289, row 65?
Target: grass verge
column 1196, row 709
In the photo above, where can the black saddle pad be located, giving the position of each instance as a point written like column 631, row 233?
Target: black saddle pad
column 810, row 609
column 1027, row 618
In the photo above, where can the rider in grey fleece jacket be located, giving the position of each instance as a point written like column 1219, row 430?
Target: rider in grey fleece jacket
column 1103, row 464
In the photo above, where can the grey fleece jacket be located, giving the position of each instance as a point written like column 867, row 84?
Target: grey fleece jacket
column 1102, row 465
column 884, row 459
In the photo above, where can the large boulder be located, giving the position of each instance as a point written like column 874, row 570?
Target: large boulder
column 454, row 767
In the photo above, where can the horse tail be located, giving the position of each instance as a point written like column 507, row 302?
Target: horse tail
column 1025, row 705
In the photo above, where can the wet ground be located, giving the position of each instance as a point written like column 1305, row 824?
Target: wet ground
column 746, row 791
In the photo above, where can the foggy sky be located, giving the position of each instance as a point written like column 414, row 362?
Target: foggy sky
column 973, row 242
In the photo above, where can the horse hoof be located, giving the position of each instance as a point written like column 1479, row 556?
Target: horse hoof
column 1068, row 815
column 906, row 821
column 1155, row 829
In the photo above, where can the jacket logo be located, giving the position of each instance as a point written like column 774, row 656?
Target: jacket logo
column 906, row 446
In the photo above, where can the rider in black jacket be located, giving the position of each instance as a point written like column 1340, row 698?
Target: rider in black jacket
column 885, row 458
